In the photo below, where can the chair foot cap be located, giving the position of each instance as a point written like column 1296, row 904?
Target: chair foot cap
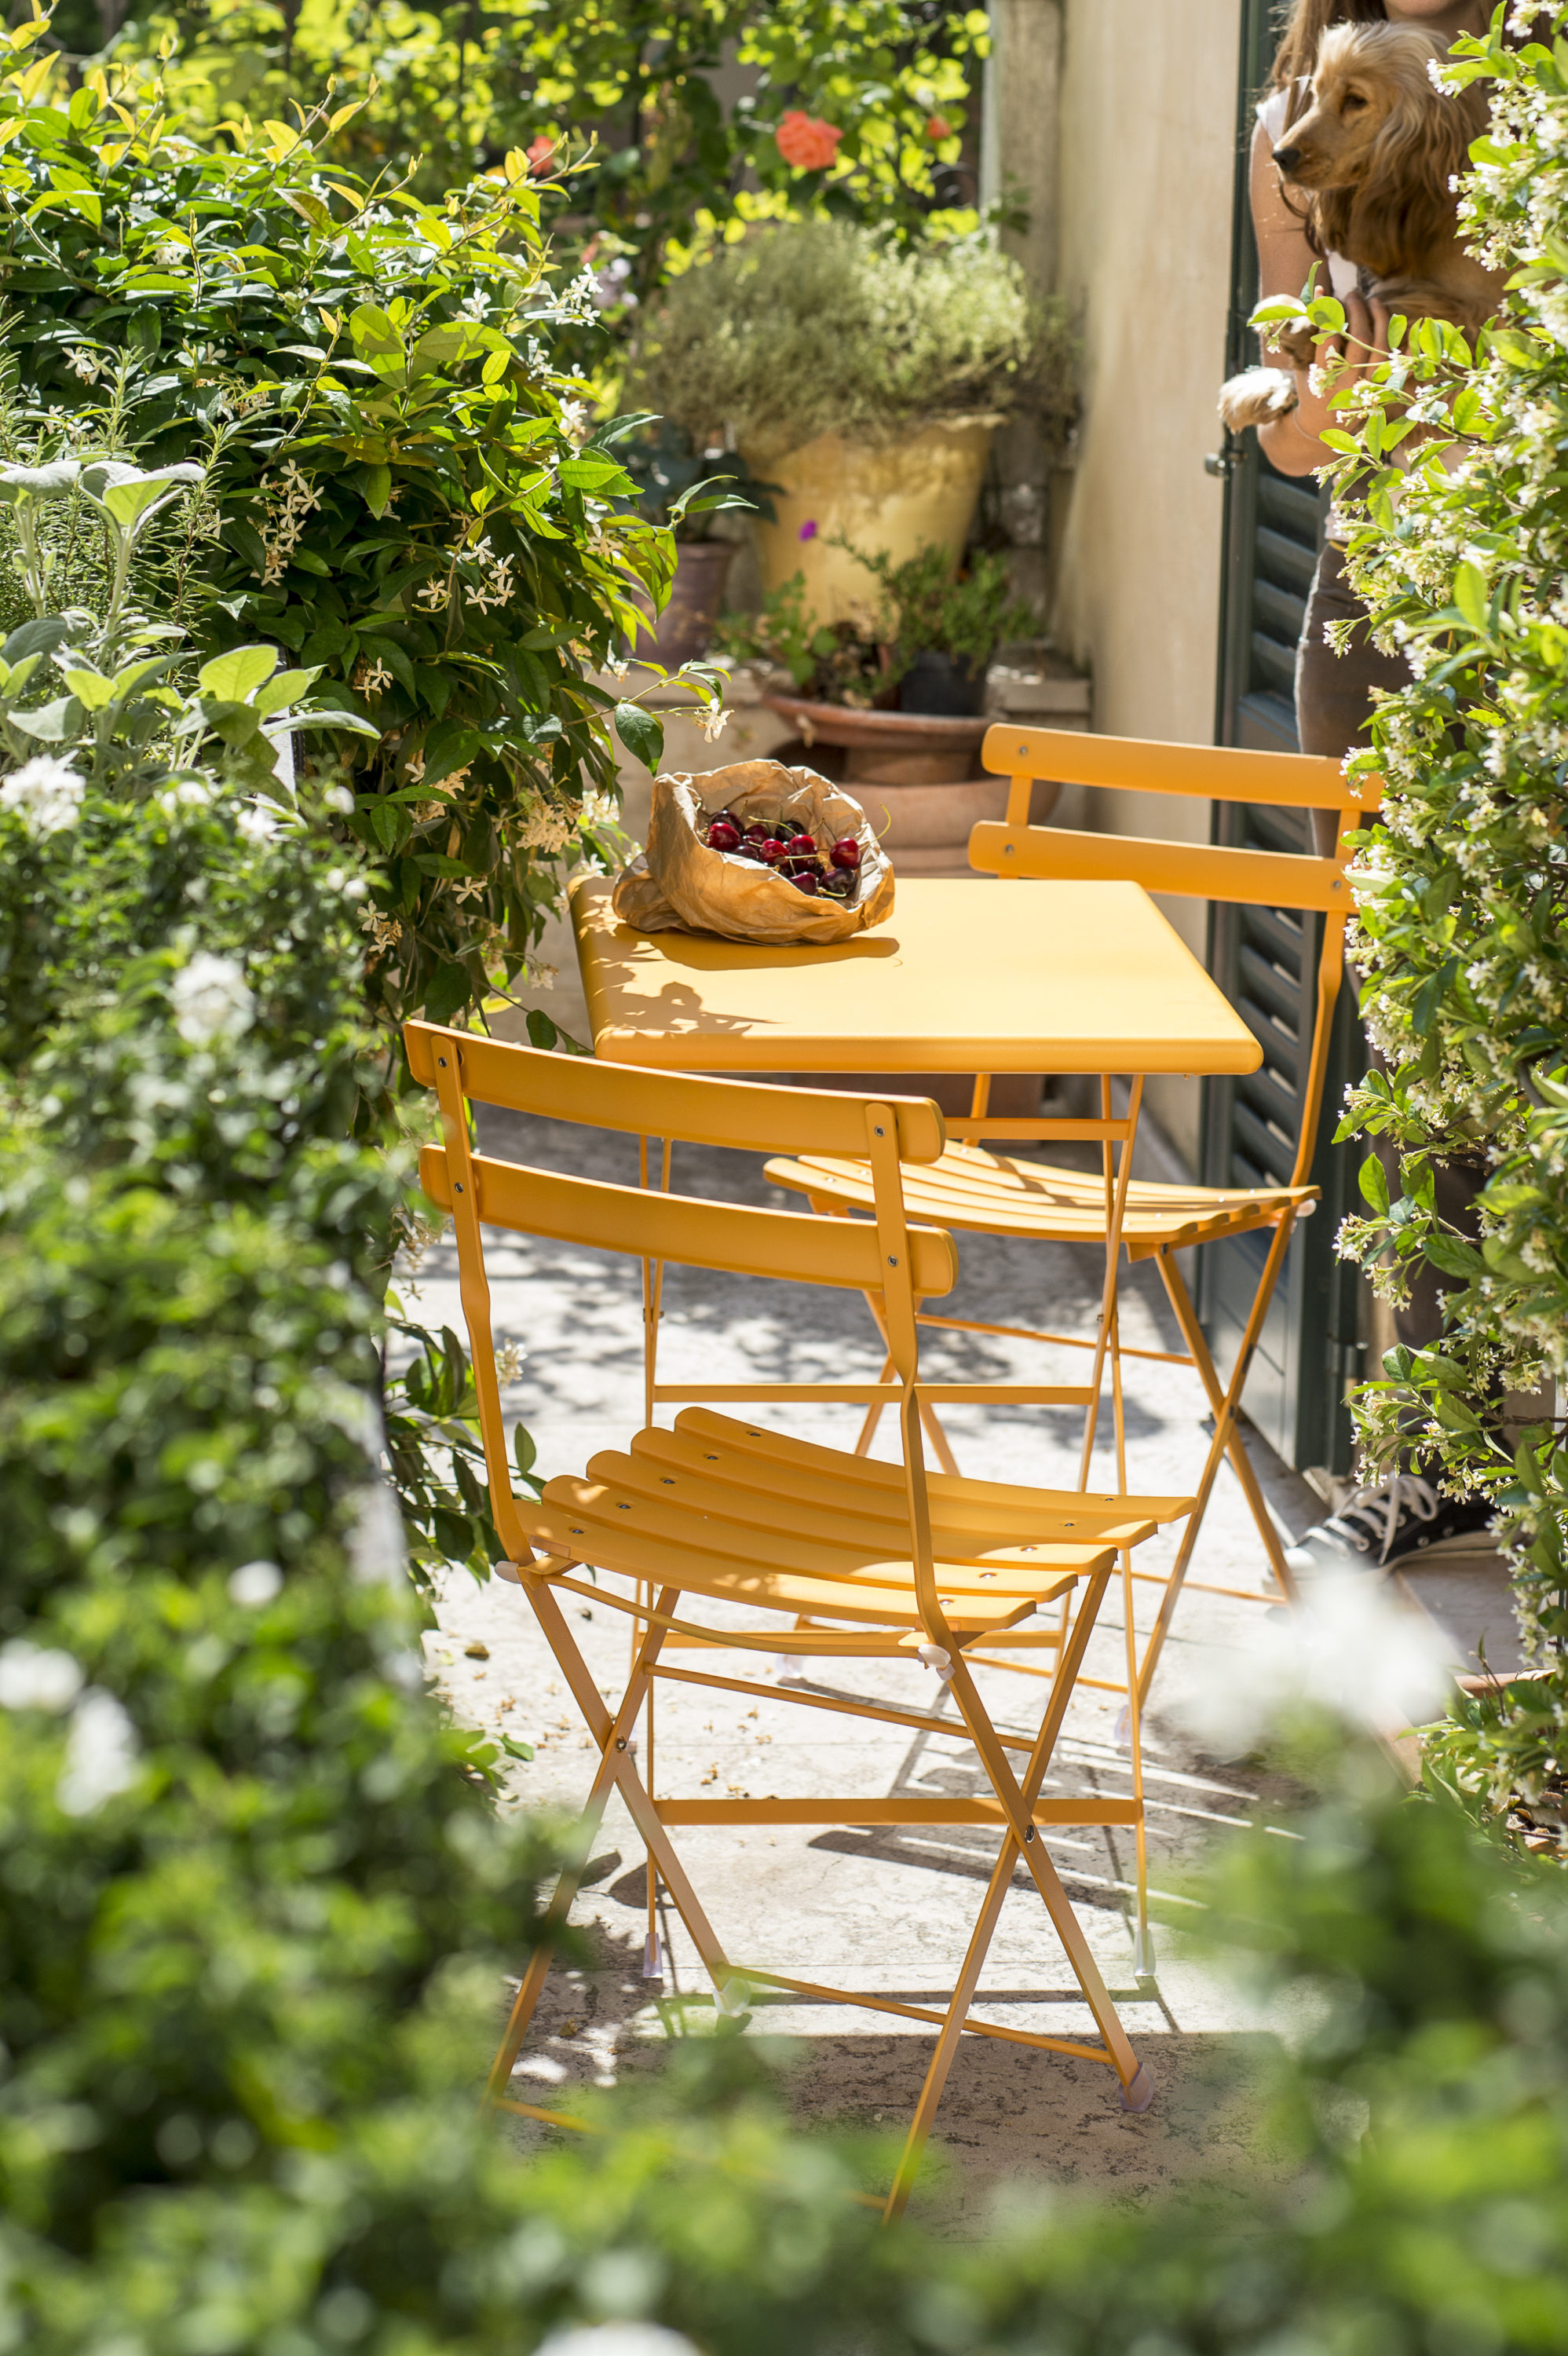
column 653, row 1958
column 1143, row 1955
column 1138, row 2092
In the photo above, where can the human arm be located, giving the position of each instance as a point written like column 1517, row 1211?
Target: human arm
column 1292, row 444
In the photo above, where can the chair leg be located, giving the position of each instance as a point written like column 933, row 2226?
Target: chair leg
column 1069, row 1664
column 1047, row 1880
column 952, row 2030
column 1226, row 1441
column 934, row 1431
column 616, row 1772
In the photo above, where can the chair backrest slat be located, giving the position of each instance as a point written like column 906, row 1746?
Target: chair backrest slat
column 735, row 1238
column 1224, row 773
column 738, row 1113
column 1220, row 773
column 1200, row 871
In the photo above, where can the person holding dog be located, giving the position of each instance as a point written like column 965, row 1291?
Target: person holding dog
column 1403, row 1514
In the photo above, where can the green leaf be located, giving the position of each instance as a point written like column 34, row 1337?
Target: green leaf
column 642, row 732
column 592, row 475
column 1374, row 1181
column 91, row 690
column 234, row 677
column 1470, row 595
column 52, row 482
column 126, row 494
column 376, row 340
column 378, row 485
column 52, row 724
column 285, row 688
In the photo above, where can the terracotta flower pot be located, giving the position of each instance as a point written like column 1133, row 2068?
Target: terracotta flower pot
column 686, row 626
column 897, row 499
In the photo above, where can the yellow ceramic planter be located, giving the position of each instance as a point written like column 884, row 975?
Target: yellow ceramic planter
column 897, row 498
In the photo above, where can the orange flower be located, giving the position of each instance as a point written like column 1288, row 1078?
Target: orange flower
column 540, row 153
column 807, row 142
column 938, row 128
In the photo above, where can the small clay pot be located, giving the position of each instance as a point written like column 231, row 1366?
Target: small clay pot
column 934, row 684
column 686, row 626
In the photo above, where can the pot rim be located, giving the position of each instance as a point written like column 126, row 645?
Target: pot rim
column 837, row 724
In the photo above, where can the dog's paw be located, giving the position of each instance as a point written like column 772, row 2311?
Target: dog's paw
column 1257, row 397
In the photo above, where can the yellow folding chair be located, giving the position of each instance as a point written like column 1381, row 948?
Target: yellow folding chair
column 878, row 1560
column 983, row 1192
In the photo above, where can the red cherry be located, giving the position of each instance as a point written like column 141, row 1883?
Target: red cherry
column 806, row 883
column 771, row 850
column 801, row 846
column 846, row 854
column 722, row 836
column 757, row 831
column 726, row 818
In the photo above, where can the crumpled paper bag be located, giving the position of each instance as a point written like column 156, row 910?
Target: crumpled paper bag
column 678, row 885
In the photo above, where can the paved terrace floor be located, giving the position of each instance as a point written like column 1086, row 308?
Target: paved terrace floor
column 886, row 1911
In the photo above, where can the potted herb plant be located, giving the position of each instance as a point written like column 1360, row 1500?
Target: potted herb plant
column 865, row 378
column 896, row 708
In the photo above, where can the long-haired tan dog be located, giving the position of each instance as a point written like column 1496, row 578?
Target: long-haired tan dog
column 1375, row 156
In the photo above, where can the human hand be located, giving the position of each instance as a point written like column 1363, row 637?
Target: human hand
column 1344, row 361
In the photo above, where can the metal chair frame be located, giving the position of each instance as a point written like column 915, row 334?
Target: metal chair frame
column 1155, row 1221
column 885, row 1561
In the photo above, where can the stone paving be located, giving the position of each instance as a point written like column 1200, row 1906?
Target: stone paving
column 889, row 1911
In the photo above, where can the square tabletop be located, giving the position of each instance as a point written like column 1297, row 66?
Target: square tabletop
column 967, row 975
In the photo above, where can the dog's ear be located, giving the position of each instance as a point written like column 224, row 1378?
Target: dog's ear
column 1405, row 204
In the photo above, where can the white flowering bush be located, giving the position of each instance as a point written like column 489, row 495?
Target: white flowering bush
column 401, row 491
column 1458, row 462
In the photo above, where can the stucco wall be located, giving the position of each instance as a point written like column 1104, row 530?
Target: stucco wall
column 1143, row 233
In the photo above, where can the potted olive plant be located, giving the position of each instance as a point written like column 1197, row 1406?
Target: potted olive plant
column 865, row 380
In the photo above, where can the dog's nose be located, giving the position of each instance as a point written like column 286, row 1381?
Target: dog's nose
column 1288, row 158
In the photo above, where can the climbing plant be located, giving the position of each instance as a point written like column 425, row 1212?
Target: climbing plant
column 1456, row 455
column 403, row 489
column 663, row 120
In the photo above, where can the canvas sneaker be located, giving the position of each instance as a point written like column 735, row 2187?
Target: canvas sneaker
column 1380, row 1528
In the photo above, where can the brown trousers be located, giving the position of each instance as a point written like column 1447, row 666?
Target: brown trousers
column 1333, row 706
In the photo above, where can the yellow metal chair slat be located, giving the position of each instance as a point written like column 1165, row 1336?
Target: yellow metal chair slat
column 864, row 1560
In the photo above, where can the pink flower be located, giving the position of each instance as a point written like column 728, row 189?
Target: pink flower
column 541, row 153
column 938, row 128
column 807, row 142
column 808, row 529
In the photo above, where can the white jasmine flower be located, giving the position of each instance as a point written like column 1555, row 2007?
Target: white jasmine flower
column 257, row 823
column 618, row 2340
column 186, row 793
column 339, row 799
column 37, row 1677
column 101, row 1755
column 255, row 1583
column 212, row 1000
column 46, row 794
column 713, row 722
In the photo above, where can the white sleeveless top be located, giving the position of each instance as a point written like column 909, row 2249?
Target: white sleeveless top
column 1271, row 113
